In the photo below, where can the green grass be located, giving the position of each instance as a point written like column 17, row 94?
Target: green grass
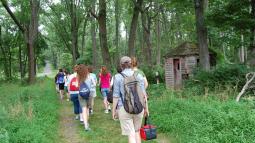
column 104, row 129
column 197, row 119
column 28, row 114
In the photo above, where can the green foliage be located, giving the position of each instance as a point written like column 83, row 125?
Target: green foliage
column 32, row 113
column 222, row 75
column 196, row 120
column 150, row 73
column 65, row 61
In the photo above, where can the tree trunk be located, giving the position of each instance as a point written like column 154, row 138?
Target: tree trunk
column 147, row 38
column 21, row 63
column 103, row 33
column 94, row 40
column 74, row 31
column 6, row 71
column 158, row 39
column 202, row 35
column 117, row 23
column 31, row 36
column 252, row 42
column 83, row 37
column 133, row 27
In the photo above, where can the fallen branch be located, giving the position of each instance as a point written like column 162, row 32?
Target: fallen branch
column 249, row 78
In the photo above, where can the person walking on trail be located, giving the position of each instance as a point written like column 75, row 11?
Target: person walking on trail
column 85, row 84
column 104, row 83
column 93, row 89
column 67, row 74
column 135, row 68
column 61, row 83
column 127, row 84
column 119, row 70
column 73, row 87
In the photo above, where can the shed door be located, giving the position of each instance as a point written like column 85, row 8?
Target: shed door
column 177, row 73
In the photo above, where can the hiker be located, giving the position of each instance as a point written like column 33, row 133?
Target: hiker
column 61, row 83
column 66, row 78
column 73, row 87
column 119, row 70
column 135, row 68
column 130, row 123
column 56, row 84
column 93, row 89
column 104, row 83
column 85, row 84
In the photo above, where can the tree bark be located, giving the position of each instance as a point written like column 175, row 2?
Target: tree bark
column 133, row 27
column 5, row 63
column 93, row 39
column 103, row 33
column 202, row 34
column 249, row 79
column 146, row 22
column 158, row 28
column 252, row 42
column 31, row 35
column 74, row 31
column 117, row 23
column 83, row 37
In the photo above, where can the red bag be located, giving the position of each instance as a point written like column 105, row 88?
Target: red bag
column 148, row 131
column 74, row 84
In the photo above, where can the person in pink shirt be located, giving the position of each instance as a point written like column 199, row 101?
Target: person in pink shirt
column 104, row 83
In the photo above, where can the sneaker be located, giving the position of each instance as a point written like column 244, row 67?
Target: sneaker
column 109, row 108
column 77, row 117
column 82, row 122
column 106, row 111
column 87, row 129
column 91, row 112
column 67, row 99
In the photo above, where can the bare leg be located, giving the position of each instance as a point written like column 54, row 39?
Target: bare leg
column 138, row 137
column 132, row 138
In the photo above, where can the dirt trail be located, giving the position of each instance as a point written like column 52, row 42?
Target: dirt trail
column 69, row 127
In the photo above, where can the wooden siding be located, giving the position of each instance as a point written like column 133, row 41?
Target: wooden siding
column 169, row 73
column 190, row 63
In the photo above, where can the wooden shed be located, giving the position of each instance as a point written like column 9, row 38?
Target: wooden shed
column 180, row 62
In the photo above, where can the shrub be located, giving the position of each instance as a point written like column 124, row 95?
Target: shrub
column 150, row 73
column 222, row 75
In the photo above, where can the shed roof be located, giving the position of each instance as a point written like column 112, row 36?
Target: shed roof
column 186, row 48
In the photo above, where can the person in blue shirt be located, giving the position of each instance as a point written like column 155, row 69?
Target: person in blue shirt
column 130, row 123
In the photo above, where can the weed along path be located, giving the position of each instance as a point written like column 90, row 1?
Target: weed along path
column 103, row 128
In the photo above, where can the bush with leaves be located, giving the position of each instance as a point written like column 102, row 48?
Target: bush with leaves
column 222, row 75
column 65, row 61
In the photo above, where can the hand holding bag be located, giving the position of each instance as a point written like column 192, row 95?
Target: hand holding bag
column 148, row 131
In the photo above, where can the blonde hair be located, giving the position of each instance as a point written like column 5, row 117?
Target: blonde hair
column 134, row 62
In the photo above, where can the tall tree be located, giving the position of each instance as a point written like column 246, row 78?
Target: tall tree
column 132, row 34
column 117, row 23
column 29, row 32
column 93, row 39
column 103, row 32
column 202, row 34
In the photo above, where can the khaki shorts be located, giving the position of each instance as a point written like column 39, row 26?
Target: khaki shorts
column 84, row 102
column 130, row 123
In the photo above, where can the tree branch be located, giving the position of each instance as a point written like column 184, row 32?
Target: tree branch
column 21, row 28
column 93, row 14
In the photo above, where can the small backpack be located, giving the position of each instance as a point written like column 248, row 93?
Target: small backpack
column 134, row 99
column 84, row 91
column 74, row 85
column 61, row 78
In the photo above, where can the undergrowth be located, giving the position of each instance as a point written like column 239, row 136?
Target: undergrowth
column 28, row 114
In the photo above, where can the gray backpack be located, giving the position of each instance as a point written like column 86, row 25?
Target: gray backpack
column 134, row 99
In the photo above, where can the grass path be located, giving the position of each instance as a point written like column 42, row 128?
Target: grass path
column 103, row 128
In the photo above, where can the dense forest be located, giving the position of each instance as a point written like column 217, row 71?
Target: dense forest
column 99, row 32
